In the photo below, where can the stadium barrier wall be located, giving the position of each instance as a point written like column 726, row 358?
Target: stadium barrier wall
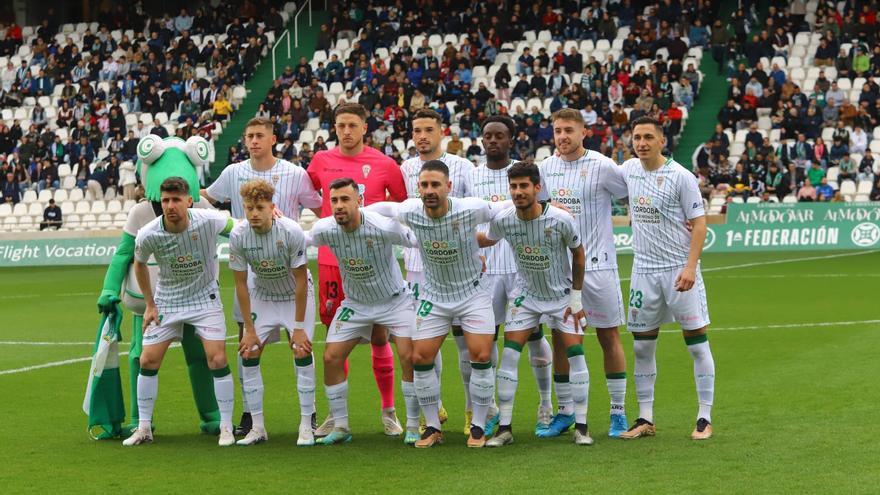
column 750, row 227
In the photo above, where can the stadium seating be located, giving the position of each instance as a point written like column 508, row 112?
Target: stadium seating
column 20, row 111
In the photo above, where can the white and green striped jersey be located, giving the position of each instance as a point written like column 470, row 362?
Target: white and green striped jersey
column 660, row 202
column 448, row 245
column 542, row 246
column 460, row 176
column 293, row 187
column 270, row 256
column 586, row 186
column 370, row 271
column 188, row 264
column 492, row 185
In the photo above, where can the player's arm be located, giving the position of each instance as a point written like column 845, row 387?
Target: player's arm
column 575, row 304
column 614, row 180
column 490, row 238
column 692, row 204
column 309, row 196
column 688, row 276
column 299, row 341
column 250, row 342
column 385, row 208
column 142, row 273
column 204, row 193
column 396, row 186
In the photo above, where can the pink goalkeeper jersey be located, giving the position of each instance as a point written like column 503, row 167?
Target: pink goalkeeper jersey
column 378, row 176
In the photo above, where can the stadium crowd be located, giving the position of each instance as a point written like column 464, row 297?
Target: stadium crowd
column 470, row 64
column 71, row 94
column 802, row 116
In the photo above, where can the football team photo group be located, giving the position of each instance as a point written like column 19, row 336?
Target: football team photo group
column 493, row 254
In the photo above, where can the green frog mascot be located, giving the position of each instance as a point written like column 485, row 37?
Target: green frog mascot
column 159, row 159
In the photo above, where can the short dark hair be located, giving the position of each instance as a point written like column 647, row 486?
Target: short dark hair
column 646, row 120
column 525, row 169
column 501, row 119
column 344, row 182
column 351, row 108
column 427, row 113
column 174, row 185
column 435, row 166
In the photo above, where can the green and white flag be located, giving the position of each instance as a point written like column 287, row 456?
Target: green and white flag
column 103, row 400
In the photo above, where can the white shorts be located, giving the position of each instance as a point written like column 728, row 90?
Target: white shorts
column 271, row 316
column 501, row 287
column 653, row 301
column 210, row 324
column 526, row 313
column 601, row 299
column 354, row 320
column 434, row 319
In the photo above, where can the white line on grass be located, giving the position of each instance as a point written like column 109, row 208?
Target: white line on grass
column 777, row 262
column 712, row 329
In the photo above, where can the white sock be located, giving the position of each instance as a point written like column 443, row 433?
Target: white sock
column 252, row 391
column 541, row 360
column 428, row 392
column 464, row 367
column 494, row 359
column 507, row 381
column 245, row 406
column 224, row 391
column 438, row 368
column 305, row 386
column 645, row 375
column 617, row 392
column 337, row 396
column 704, row 376
column 563, row 395
column 412, row 404
column 579, row 380
column 147, row 389
column 482, row 391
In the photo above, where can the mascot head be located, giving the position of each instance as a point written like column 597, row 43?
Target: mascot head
column 159, row 159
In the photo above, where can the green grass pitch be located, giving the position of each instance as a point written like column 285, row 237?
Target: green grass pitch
column 795, row 338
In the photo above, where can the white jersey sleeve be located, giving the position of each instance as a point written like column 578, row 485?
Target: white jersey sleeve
column 612, row 179
column 221, row 189
column 237, row 261
column 691, row 198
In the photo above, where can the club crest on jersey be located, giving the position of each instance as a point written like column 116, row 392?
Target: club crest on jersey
column 194, row 236
column 456, row 224
column 548, row 232
column 583, row 172
column 660, row 181
column 275, row 179
column 366, row 170
column 279, row 244
column 369, row 243
column 338, row 325
column 634, row 312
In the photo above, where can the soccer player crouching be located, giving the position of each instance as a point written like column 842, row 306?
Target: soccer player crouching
column 183, row 242
column 280, row 296
column 375, row 294
column 548, row 285
column 446, row 231
column 666, row 282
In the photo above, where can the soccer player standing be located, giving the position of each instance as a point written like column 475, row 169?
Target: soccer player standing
column 585, row 182
column 666, row 281
column 278, row 295
column 293, row 190
column 453, row 289
column 426, row 135
column 548, row 286
column 490, row 182
column 375, row 294
column 183, row 242
column 379, row 179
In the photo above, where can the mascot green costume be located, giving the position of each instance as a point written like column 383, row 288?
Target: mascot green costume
column 159, row 159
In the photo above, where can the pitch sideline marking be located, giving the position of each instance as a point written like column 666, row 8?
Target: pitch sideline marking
column 716, row 329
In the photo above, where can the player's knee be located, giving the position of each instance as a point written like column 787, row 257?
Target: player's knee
column 379, row 337
column 217, row 361
column 421, row 357
column 609, row 338
column 481, row 355
column 333, row 358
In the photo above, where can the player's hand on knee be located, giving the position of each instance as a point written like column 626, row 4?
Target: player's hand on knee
column 249, row 345
column 685, row 280
column 151, row 317
column 299, row 342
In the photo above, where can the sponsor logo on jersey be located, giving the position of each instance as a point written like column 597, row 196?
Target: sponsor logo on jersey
column 495, row 197
column 643, row 211
column 358, row 268
column 532, row 257
column 441, row 252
